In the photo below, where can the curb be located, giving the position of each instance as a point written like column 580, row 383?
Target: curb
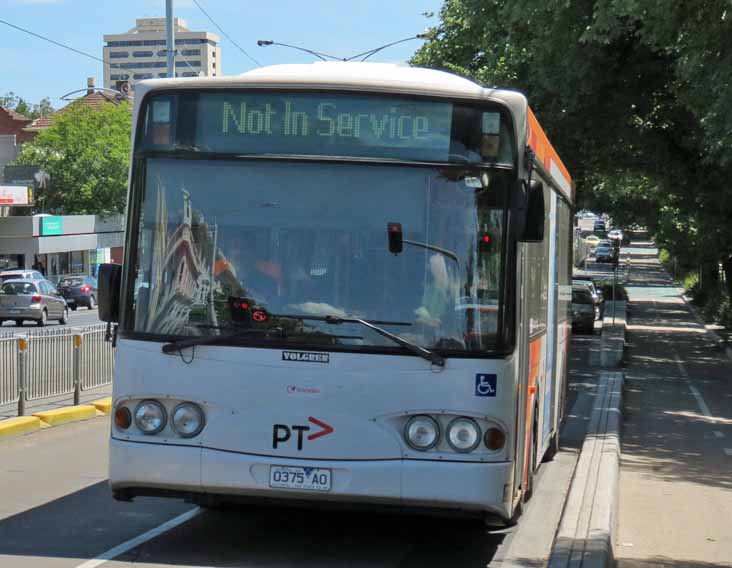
column 103, row 405
column 586, row 532
column 19, row 426
column 67, row 414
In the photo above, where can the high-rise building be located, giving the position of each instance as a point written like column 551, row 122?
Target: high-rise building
column 141, row 53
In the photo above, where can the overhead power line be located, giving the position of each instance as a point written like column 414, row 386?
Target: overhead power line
column 240, row 48
column 44, row 38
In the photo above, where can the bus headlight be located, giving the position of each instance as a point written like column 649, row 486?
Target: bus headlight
column 150, row 417
column 463, row 434
column 187, row 420
column 422, row 432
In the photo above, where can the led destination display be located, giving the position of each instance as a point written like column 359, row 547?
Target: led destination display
column 320, row 124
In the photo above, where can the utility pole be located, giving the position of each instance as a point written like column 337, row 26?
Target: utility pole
column 170, row 51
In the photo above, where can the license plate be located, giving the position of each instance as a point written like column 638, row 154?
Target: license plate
column 307, row 478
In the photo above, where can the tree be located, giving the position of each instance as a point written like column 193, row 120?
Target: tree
column 85, row 153
column 15, row 103
column 633, row 94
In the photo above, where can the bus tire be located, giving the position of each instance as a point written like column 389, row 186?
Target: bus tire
column 553, row 448
column 529, row 491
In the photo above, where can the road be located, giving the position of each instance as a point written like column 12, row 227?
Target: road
column 56, row 511
column 675, row 475
column 80, row 317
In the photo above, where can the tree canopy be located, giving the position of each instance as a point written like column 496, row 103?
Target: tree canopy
column 15, row 103
column 85, row 153
column 633, row 94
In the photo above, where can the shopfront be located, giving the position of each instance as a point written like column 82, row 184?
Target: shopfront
column 60, row 245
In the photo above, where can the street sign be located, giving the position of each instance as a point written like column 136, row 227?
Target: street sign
column 15, row 195
column 51, row 226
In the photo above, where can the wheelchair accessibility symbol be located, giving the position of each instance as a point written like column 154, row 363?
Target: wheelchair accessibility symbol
column 485, row 384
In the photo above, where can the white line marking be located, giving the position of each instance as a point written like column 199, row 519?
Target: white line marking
column 717, row 434
column 700, row 401
column 680, row 365
column 728, row 451
column 138, row 540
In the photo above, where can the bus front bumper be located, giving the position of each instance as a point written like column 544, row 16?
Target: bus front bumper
column 200, row 474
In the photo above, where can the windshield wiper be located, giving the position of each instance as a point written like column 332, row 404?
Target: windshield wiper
column 177, row 344
column 414, row 349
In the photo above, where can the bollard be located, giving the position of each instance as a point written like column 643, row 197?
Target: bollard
column 22, row 350
column 77, row 368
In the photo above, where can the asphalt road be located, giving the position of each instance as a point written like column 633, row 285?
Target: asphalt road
column 56, row 511
column 80, row 317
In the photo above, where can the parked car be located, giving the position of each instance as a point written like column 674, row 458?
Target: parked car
column 615, row 234
column 597, row 296
column 604, row 254
column 583, row 309
column 20, row 274
column 79, row 291
column 599, row 227
column 35, row 300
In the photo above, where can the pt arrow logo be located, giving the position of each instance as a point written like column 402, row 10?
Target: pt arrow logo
column 326, row 428
column 282, row 433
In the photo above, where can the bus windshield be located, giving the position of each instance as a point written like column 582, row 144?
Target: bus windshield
column 229, row 244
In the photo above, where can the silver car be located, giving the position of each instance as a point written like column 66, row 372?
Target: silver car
column 19, row 273
column 36, row 300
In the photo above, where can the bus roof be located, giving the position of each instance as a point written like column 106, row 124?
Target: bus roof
column 389, row 78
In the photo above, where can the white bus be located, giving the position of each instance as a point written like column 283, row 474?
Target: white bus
column 343, row 283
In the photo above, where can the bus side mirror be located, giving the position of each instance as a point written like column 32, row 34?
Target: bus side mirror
column 531, row 219
column 109, row 285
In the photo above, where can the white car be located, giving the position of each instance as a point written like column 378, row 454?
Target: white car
column 615, row 234
column 21, row 274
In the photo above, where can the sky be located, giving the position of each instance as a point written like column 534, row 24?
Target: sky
column 33, row 69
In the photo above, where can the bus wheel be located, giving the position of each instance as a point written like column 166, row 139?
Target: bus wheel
column 553, row 447
column 529, row 491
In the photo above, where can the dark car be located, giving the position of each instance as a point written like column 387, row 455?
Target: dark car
column 589, row 283
column 599, row 227
column 604, row 254
column 583, row 309
column 79, row 291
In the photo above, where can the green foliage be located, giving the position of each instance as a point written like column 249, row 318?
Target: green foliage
column 664, row 256
column 634, row 95
column 86, row 155
column 13, row 102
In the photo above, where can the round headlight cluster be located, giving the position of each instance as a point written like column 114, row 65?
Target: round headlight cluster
column 150, row 417
column 186, row 420
column 462, row 434
column 422, row 432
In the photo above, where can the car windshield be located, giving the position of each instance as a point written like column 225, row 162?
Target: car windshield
column 18, row 288
column 225, row 244
column 581, row 296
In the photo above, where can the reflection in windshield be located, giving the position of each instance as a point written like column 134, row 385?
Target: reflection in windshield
column 310, row 239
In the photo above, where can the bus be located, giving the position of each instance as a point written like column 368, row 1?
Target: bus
column 344, row 284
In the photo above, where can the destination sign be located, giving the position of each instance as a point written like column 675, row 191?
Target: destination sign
column 324, row 124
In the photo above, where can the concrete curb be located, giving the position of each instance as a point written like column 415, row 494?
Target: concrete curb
column 19, row 426
column 612, row 337
column 586, row 532
column 59, row 416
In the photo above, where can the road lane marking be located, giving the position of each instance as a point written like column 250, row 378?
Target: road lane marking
column 138, row 540
column 680, row 365
column 718, row 434
column 700, row 401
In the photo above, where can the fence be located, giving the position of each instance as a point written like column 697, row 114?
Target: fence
column 45, row 363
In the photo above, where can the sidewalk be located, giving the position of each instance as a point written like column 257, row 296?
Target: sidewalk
column 676, row 465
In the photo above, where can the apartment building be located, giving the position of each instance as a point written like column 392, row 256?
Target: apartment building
column 141, row 53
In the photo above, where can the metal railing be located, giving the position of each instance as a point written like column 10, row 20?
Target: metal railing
column 45, row 363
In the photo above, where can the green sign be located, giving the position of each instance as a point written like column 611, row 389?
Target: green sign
column 51, row 226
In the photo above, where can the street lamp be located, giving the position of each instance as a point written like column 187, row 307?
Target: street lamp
column 365, row 55
column 266, row 42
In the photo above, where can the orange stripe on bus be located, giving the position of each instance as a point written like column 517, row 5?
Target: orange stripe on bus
column 544, row 150
column 534, row 368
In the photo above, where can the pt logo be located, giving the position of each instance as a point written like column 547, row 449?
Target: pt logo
column 281, row 433
column 485, row 384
